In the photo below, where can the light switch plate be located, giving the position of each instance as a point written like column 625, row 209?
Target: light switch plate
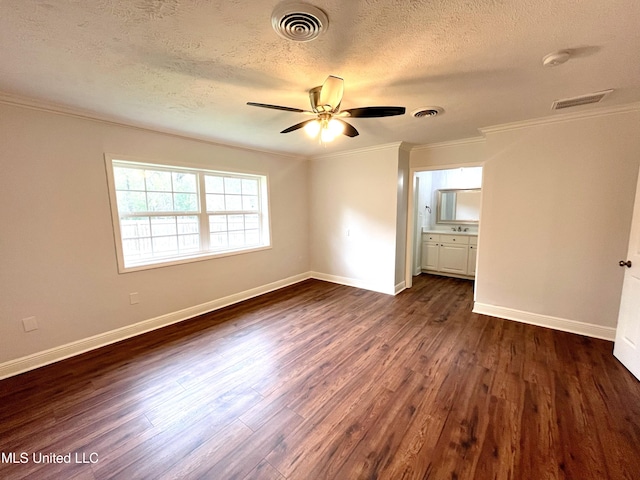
column 133, row 298
column 29, row 324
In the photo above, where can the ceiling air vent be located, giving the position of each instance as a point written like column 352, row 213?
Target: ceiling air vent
column 581, row 100
column 427, row 112
column 298, row 21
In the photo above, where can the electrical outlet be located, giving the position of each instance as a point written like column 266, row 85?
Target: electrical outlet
column 29, row 324
column 133, row 298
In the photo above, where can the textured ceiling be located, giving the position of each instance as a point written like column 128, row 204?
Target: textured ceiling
column 190, row 66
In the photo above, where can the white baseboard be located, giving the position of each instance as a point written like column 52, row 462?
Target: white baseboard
column 353, row 282
column 400, row 287
column 46, row 357
column 563, row 324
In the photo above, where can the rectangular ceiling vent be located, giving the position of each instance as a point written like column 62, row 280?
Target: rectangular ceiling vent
column 581, row 100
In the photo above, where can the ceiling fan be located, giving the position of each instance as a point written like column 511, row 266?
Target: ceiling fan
column 325, row 106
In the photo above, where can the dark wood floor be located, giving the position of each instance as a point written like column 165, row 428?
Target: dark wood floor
column 325, row 381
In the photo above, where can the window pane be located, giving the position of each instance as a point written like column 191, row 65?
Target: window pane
column 189, row 243
column 160, row 202
column 249, row 187
column 236, row 239
column 165, row 244
column 163, row 226
column 252, row 237
column 135, row 227
column 158, row 181
column 215, row 203
column 217, row 223
column 137, row 248
column 236, row 222
column 188, row 225
column 131, row 202
column 185, row 202
column 128, row 178
column 184, row 182
column 232, row 185
column 218, row 241
column 251, row 222
column 213, row 184
column 249, row 202
column 233, row 202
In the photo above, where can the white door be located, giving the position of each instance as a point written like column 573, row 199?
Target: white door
column 627, row 346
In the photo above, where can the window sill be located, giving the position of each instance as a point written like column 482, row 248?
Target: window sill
column 188, row 259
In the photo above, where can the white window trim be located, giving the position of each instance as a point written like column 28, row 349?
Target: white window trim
column 160, row 164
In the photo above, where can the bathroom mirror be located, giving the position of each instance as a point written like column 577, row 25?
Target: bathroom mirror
column 459, row 206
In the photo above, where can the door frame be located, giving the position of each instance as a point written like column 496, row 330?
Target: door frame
column 412, row 212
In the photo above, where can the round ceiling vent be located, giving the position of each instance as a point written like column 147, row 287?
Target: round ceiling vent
column 427, row 112
column 298, row 21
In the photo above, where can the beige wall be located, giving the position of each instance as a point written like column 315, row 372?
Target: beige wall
column 354, row 217
column 445, row 155
column 402, row 207
column 556, row 212
column 57, row 245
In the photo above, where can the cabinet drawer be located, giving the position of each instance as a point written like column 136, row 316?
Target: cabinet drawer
column 462, row 239
column 430, row 237
column 473, row 240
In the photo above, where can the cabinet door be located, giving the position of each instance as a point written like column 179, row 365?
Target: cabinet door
column 453, row 258
column 471, row 265
column 429, row 256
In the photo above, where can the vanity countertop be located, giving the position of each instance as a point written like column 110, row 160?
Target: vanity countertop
column 447, row 232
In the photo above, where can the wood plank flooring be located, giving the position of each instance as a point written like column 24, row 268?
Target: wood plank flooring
column 322, row 381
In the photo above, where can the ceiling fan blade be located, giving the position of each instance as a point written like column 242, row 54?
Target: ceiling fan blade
column 297, row 126
column 277, row 107
column 373, row 112
column 349, row 130
column 331, row 93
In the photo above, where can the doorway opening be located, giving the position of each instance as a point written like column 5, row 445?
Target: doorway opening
column 444, row 201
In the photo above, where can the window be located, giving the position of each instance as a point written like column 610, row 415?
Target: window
column 164, row 214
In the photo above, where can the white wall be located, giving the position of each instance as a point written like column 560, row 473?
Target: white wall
column 556, row 210
column 56, row 243
column 465, row 152
column 353, row 212
column 402, row 210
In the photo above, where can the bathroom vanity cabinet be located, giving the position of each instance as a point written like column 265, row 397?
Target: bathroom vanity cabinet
column 451, row 254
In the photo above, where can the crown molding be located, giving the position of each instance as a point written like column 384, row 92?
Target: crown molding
column 58, row 109
column 355, row 151
column 562, row 117
column 451, row 143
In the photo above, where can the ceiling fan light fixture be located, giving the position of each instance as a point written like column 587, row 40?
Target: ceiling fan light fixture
column 325, row 105
column 326, row 135
column 312, row 128
column 335, row 127
column 326, row 128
